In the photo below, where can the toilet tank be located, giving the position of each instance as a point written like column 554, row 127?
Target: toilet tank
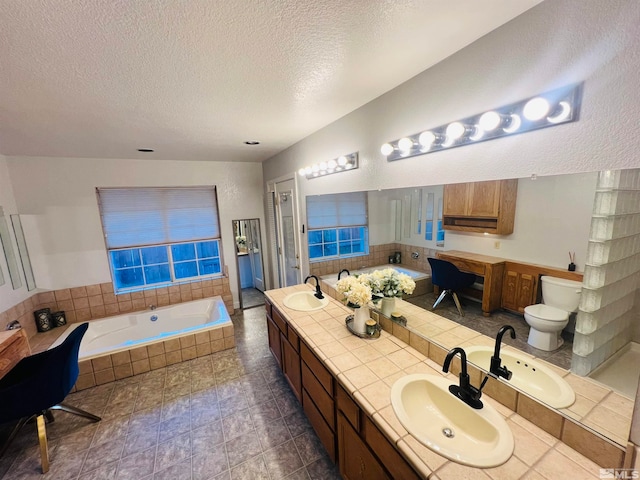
column 561, row 293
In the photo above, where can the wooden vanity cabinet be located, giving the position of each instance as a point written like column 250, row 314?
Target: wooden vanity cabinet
column 521, row 284
column 274, row 336
column 351, row 438
column 480, row 206
column 519, row 290
column 363, row 451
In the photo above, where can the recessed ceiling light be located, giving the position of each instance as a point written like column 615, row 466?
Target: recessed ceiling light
column 251, row 142
column 146, row 150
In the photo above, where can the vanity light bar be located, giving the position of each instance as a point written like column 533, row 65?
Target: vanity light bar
column 337, row 165
column 545, row 110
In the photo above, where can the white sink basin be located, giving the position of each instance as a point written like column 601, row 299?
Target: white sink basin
column 447, row 425
column 304, row 302
column 528, row 375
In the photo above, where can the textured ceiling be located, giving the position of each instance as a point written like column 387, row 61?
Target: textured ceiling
column 194, row 79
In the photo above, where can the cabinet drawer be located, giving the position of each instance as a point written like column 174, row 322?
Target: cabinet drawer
column 386, row 452
column 267, row 308
column 465, row 265
column 348, row 407
column 279, row 320
column 324, row 403
column 326, row 436
column 356, row 460
column 322, row 374
column 294, row 339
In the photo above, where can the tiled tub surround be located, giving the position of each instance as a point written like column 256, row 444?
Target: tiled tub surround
column 99, row 301
column 378, row 255
column 545, row 440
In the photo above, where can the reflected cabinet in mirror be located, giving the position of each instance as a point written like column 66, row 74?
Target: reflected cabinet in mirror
column 556, row 221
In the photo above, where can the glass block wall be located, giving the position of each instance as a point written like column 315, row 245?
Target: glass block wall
column 608, row 314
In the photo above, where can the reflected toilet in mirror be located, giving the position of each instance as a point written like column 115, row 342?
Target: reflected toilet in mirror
column 560, row 298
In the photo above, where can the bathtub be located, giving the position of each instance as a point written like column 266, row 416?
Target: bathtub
column 111, row 335
column 332, row 278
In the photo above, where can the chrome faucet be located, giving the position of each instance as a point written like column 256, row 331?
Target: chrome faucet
column 318, row 293
column 152, row 307
column 14, row 325
column 342, row 271
column 496, row 369
column 465, row 391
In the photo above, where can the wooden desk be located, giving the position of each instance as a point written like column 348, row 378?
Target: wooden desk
column 490, row 268
column 14, row 345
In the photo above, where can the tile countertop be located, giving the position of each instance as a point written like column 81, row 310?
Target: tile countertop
column 367, row 369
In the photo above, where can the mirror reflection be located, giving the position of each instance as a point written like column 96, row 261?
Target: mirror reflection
column 555, row 224
column 9, row 254
column 23, row 252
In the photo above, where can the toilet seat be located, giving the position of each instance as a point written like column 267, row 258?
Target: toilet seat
column 546, row 312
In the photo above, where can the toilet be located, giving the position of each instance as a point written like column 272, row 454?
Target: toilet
column 560, row 298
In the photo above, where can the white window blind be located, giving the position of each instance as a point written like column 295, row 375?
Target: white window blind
column 144, row 216
column 338, row 210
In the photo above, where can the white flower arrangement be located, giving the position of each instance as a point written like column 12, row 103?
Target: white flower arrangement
column 355, row 290
column 359, row 290
column 241, row 240
column 389, row 283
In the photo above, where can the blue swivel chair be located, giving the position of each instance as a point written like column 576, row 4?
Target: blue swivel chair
column 447, row 276
column 39, row 383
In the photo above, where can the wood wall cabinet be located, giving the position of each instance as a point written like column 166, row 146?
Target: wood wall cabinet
column 480, row 206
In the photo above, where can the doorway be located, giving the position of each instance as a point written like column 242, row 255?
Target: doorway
column 249, row 264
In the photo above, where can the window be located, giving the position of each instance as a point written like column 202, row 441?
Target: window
column 158, row 236
column 337, row 225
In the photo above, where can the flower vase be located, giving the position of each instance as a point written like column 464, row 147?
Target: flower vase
column 388, row 305
column 360, row 317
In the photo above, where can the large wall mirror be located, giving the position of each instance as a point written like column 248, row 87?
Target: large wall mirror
column 553, row 217
column 9, row 253
column 23, row 252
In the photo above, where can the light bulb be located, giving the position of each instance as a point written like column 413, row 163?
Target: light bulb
column 405, row 145
column 301, row 172
column 332, row 164
column 348, row 166
column 323, row 165
column 386, row 149
column 308, row 170
column 478, row 133
column 426, row 139
column 536, row 109
column 514, row 123
column 562, row 115
column 315, row 168
column 342, row 160
column 489, row 121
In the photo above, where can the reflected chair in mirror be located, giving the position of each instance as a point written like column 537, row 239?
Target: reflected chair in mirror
column 38, row 384
column 449, row 279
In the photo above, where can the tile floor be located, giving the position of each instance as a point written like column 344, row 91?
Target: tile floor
column 252, row 297
column 230, row 415
column 489, row 326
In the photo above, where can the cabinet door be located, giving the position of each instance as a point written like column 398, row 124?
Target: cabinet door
column 483, row 199
column 510, row 290
column 274, row 341
column 356, row 461
column 526, row 291
column 455, row 199
column 291, row 367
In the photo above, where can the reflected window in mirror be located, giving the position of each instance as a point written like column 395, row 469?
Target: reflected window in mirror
column 9, row 253
column 23, row 252
column 337, row 225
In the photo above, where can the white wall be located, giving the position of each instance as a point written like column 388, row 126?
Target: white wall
column 57, row 201
column 553, row 217
column 553, row 44
column 8, row 296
